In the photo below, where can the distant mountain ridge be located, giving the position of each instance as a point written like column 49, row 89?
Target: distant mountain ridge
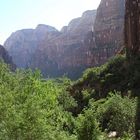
column 52, row 50
column 87, row 41
column 23, row 43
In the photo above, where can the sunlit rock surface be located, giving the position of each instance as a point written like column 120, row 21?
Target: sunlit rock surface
column 109, row 27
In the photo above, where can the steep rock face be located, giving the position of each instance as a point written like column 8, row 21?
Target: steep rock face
column 68, row 51
column 23, row 43
column 54, row 51
column 5, row 57
column 87, row 41
column 132, row 27
column 109, row 26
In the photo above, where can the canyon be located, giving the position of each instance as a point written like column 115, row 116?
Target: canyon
column 87, row 41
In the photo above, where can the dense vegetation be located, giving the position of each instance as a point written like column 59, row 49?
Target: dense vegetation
column 33, row 108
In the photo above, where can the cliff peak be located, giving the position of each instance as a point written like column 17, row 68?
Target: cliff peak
column 46, row 28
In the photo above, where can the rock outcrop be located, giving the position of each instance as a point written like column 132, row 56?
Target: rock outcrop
column 87, row 41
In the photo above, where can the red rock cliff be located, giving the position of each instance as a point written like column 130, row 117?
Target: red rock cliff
column 87, row 41
column 109, row 25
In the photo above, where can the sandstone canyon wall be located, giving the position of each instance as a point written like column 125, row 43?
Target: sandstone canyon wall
column 109, row 27
column 66, row 53
column 87, row 41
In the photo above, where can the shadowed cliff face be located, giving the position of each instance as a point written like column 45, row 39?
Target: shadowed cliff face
column 87, row 41
column 6, row 58
column 132, row 27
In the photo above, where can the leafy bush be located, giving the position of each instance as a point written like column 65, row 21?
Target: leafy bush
column 29, row 107
column 87, row 127
column 99, row 81
column 32, row 108
column 115, row 113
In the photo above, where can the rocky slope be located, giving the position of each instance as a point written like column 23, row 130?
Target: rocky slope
column 87, row 41
column 5, row 57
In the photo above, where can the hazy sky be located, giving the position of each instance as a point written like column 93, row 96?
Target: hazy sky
column 21, row 14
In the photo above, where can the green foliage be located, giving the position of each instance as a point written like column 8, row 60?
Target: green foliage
column 33, row 108
column 67, row 101
column 64, row 98
column 97, row 72
column 103, row 116
column 87, row 127
column 115, row 113
column 29, row 108
column 99, row 81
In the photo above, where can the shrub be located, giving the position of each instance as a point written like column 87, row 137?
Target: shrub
column 29, row 107
column 87, row 127
column 116, row 113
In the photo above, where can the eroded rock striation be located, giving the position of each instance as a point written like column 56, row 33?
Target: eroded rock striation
column 54, row 52
column 66, row 53
column 109, row 27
